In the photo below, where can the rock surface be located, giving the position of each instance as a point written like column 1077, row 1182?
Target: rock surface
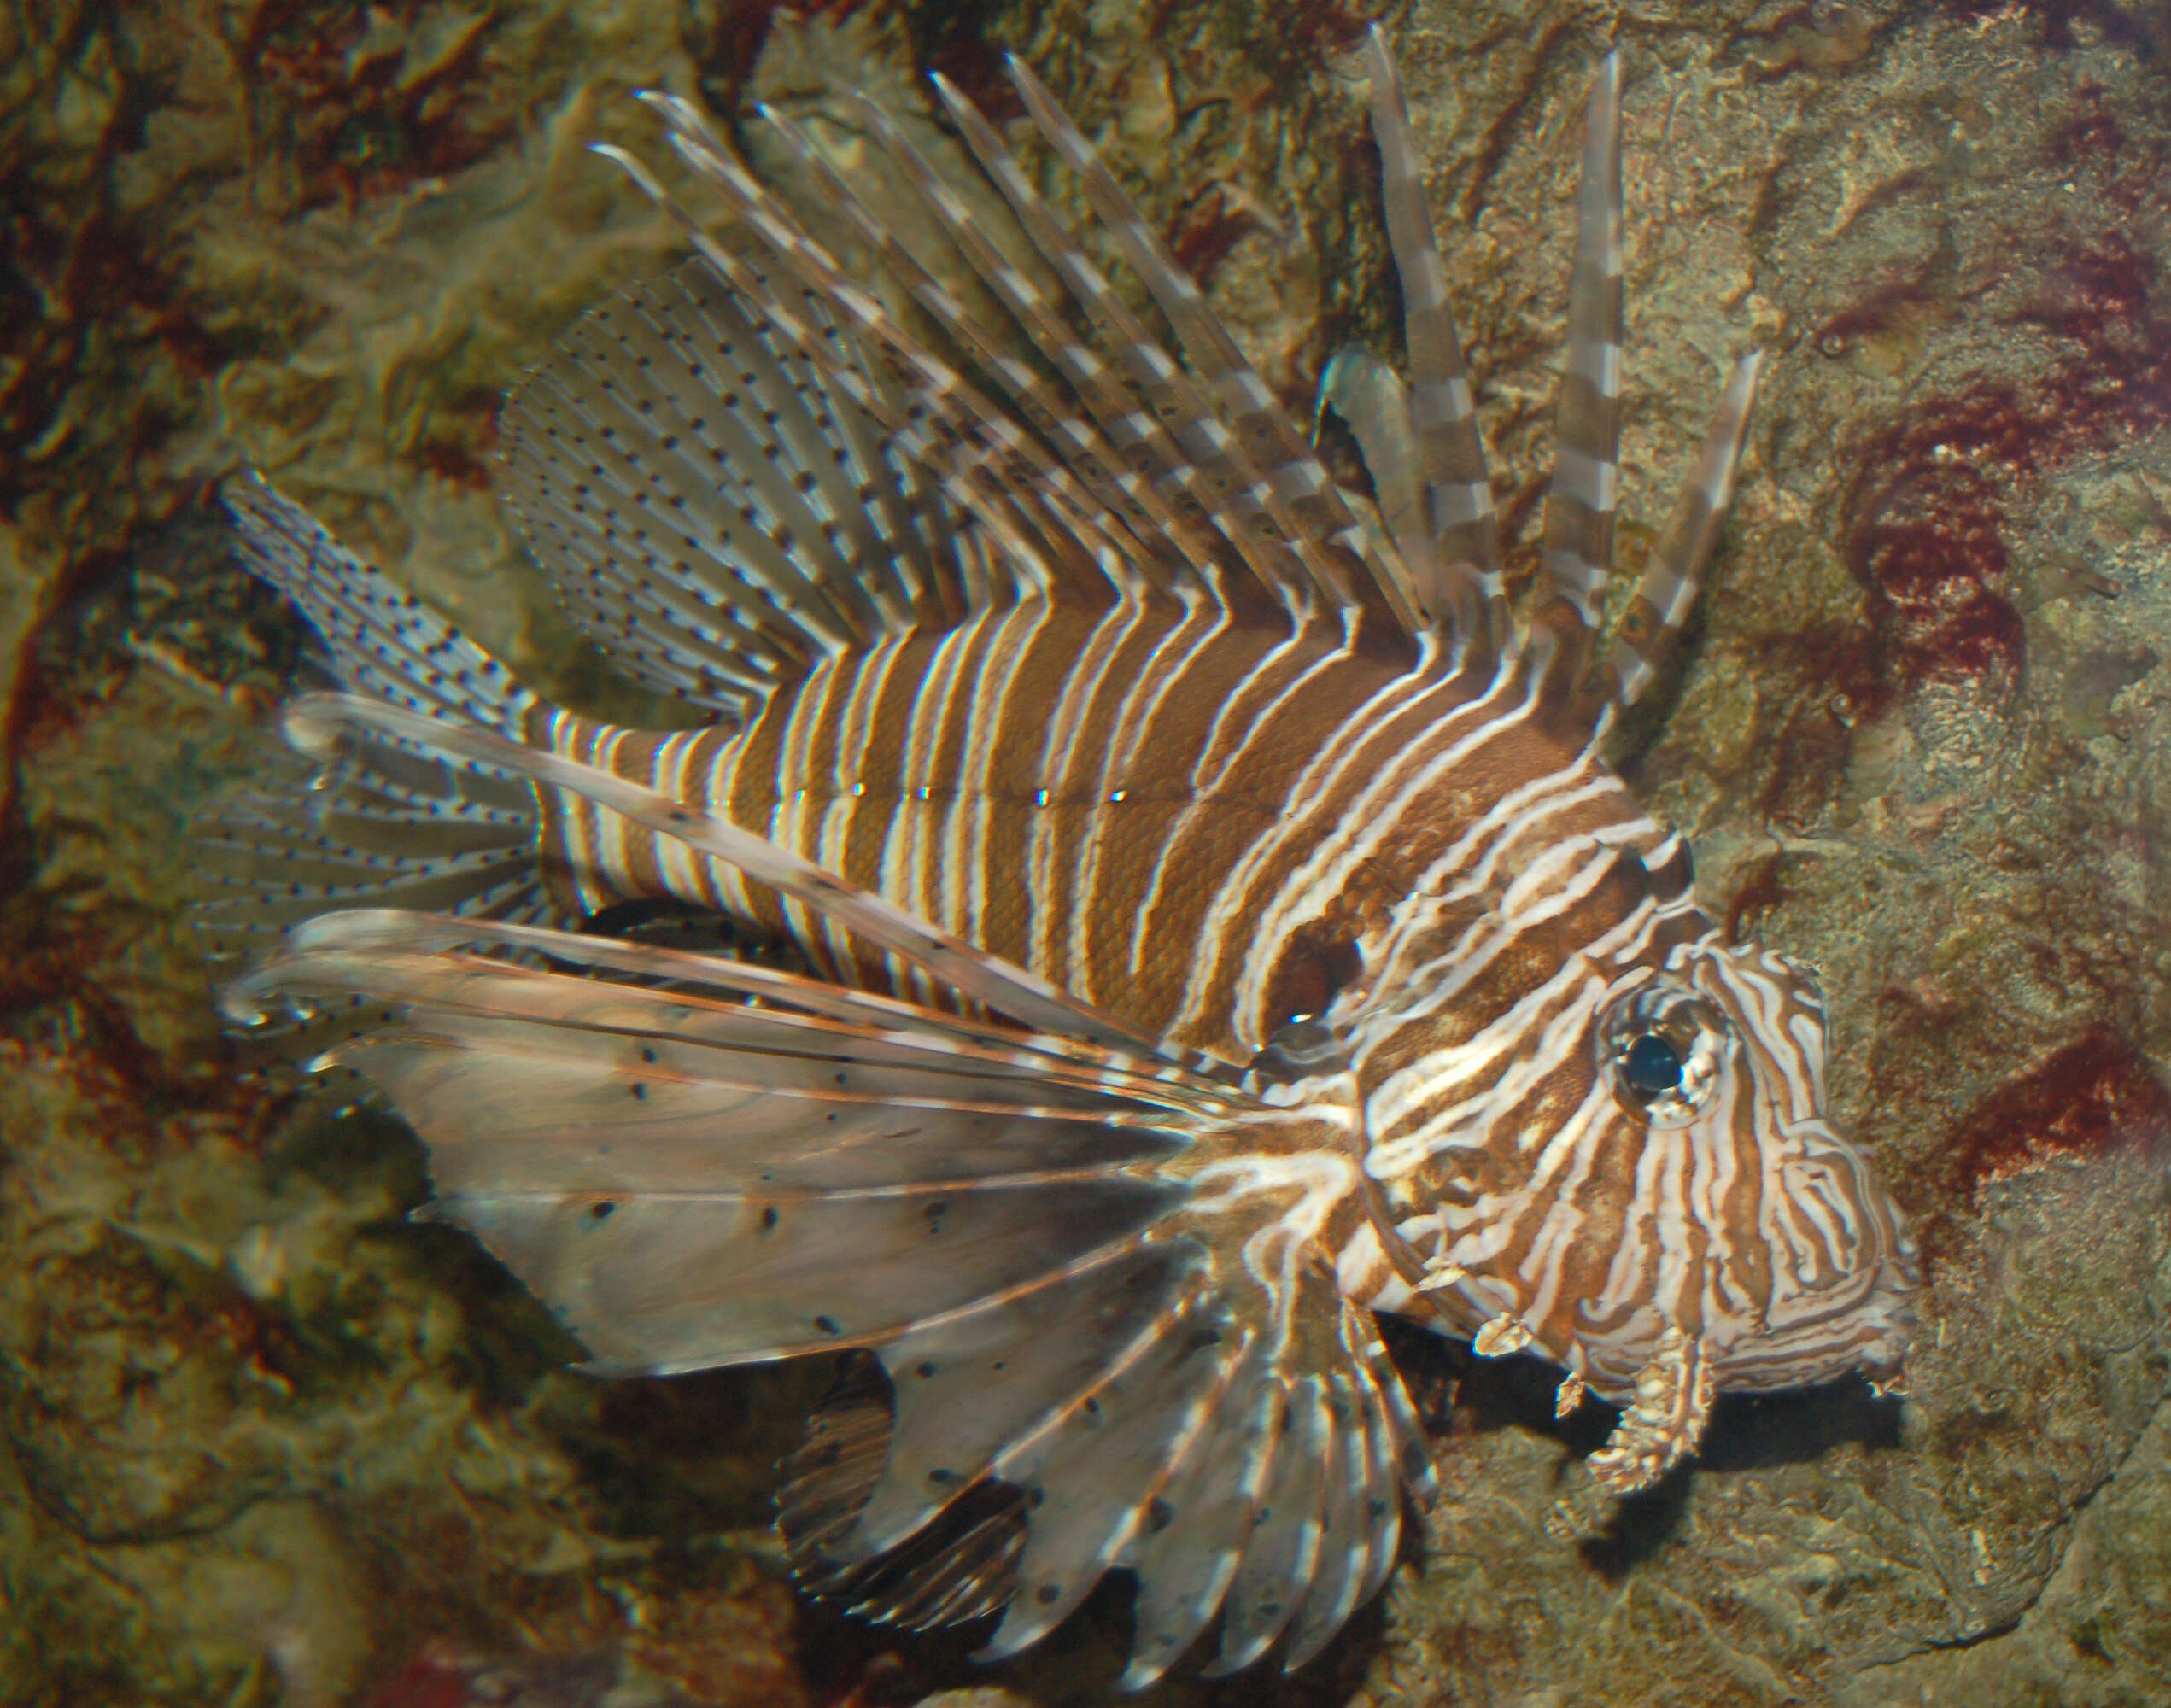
column 261, row 1441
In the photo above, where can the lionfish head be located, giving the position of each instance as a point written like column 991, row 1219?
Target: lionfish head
column 1647, row 1154
column 1749, row 1220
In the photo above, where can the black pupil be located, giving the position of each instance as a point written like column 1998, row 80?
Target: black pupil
column 1652, row 1066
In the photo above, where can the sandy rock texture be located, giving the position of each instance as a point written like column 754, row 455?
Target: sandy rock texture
column 262, row 1440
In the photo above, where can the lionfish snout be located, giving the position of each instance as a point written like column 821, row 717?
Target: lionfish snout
column 1844, row 1272
column 1808, row 1238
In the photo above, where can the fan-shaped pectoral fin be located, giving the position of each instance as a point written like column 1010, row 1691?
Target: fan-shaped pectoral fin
column 1101, row 1290
column 1318, row 1433
column 1203, row 1407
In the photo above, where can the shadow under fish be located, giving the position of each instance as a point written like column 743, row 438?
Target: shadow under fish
column 1217, row 922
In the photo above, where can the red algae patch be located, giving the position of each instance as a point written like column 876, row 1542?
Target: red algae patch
column 1926, row 509
column 2091, row 1098
column 1926, row 533
column 2086, row 1099
column 2026, row 335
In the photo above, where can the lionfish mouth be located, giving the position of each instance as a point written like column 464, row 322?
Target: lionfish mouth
column 1865, row 1326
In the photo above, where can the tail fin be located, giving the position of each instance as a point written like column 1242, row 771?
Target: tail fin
column 393, row 823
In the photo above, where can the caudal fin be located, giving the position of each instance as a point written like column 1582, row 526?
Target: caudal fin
column 390, row 822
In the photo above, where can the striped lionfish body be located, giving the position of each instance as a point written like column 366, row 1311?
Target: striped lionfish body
column 1222, row 925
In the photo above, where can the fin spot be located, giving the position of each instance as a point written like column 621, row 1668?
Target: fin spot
column 1048, row 1595
column 600, row 1212
column 768, row 1217
column 1160, row 1515
column 828, row 1325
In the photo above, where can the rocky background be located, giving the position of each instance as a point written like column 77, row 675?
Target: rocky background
column 261, row 1441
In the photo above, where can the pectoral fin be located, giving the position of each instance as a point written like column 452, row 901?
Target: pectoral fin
column 1094, row 1282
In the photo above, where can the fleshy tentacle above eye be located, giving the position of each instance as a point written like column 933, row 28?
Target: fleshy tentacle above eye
column 1098, row 1280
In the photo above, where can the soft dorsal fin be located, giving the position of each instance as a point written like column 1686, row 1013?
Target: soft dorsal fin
column 715, row 509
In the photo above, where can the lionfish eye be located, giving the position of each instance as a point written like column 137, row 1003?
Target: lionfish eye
column 1661, row 1048
column 1652, row 1065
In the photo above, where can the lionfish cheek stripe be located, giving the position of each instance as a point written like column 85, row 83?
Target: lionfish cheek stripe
column 1223, row 922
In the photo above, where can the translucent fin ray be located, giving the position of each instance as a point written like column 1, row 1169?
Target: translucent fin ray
column 1163, row 549
column 1583, row 493
column 1673, row 575
column 1295, row 491
column 1179, row 429
column 1460, row 575
column 1370, row 397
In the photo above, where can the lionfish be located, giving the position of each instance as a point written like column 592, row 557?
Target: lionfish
column 1221, row 924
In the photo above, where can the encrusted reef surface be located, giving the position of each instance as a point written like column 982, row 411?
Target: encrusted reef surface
column 261, row 1441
